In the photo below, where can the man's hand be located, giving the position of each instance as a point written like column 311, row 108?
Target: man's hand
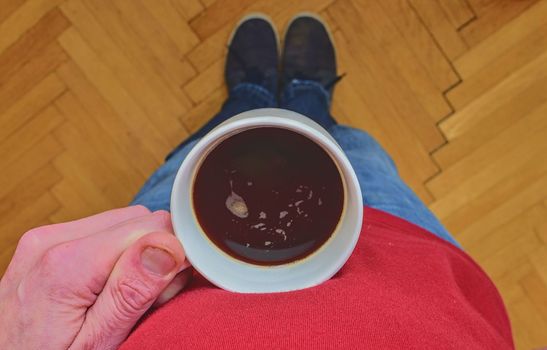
column 84, row 284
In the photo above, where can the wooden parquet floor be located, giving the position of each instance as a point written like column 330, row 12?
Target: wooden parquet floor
column 94, row 93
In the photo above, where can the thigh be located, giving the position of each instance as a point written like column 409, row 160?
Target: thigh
column 382, row 187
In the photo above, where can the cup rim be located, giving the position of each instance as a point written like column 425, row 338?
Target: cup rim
column 258, row 119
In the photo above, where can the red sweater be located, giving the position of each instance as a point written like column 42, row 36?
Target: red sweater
column 402, row 288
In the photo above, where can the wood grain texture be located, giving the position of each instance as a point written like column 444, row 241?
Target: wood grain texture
column 436, row 20
column 188, row 9
column 46, row 61
column 492, row 17
column 458, row 12
column 95, row 93
column 420, row 39
column 467, row 117
column 502, row 40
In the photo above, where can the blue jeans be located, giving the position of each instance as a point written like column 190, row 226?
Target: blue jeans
column 376, row 171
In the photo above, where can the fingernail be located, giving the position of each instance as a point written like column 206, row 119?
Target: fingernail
column 158, row 261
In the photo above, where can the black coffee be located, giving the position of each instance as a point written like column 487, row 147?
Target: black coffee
column 268, row 196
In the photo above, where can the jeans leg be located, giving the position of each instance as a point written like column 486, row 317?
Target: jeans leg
column 310, row 99
column 156, row 192
column 381, row 186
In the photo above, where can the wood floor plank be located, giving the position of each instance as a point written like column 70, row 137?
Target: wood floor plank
column 542, row 231
column 208, row 3
column 465, row 212
column 164, row 61
column 422, row 43
column 97, row 139
column 15, row 146
column 137, row 19
column 40, row 66
column 96, row 200
column 34, row 214
column 31, row 103
column 208, row 81
column 458, row 12
column 539, row 261
column 162, row 107
column 440, row 27
column 417, row 77
column 505, row 64
column 25, row 207
column 178, row 30
column 522, row 247
column 106, row 181
column 188, row 9
column 154, row 38
column 505, row 211
column 209, row 50
column 121, row 130
column 77, row 173
column 466, row 118
column 508, row 283
column 508, row 36
column 327, row 19
column 507, row 113
column 531, row 128
column 217, row 15
column 521, row 225
column 6, row 255
column 28, row 191
column 536, row 290
column 530, row 333
column 494, row 16
column 37, row 157
column 73, row 206
column 31, row 43
column 114, row 92
column 22, row 19
column 8, row 7
column 495, row 241
column 479, row 7
column 481, row 191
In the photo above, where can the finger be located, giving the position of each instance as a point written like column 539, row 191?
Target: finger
column 99, row 222
column 35, row 242
column 141, row 274
column 181, row 280
column 85, row 264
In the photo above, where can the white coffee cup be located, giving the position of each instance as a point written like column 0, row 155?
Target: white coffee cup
column 234, row 275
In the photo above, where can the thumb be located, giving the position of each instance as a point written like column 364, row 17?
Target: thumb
column 140, row 275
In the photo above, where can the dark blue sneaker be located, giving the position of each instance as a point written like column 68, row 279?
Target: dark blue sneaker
column 308, row 53
column 253, row 54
